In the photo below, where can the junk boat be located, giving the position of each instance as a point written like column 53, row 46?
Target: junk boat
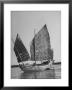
column 40, row 49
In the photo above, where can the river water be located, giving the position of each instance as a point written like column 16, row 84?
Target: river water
column 55, row 73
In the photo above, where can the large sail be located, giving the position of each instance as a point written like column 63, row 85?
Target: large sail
column 20, row 50
column 42, row 46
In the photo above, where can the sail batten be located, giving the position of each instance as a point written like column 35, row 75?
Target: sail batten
column 42, row 45
column 20, row 50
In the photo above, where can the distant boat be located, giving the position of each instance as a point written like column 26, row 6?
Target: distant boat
column 40, row 49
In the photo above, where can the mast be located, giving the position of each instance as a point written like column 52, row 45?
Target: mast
column 34, row 54
column 34, row 45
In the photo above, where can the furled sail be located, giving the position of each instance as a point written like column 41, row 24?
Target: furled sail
column 41, row 50
column 20, row 50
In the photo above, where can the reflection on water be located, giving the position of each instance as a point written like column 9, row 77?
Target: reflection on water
column 48, row 74
column 55, row 73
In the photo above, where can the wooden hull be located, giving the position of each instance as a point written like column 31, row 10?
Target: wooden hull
column 36, row 67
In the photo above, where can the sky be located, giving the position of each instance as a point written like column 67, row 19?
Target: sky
column 25, row 22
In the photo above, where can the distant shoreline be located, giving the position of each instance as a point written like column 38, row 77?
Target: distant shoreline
column 55, row 63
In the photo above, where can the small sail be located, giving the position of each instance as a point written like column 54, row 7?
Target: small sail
column 20, row 50
column 41, row 46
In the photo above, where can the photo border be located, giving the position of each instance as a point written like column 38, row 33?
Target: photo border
column 2, row 28
column 64, row 8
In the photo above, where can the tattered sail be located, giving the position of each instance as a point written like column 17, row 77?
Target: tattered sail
column 20, row 50
column 40, row 47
